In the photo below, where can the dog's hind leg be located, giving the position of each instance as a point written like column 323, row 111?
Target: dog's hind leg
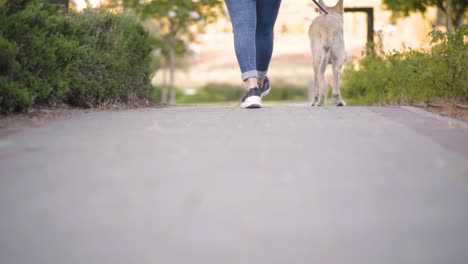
column 320, row 65
column 315, row 48
column 337, row 99
column 316, row 87
column 337, row 62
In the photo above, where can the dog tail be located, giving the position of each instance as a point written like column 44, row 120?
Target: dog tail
column 327, row 39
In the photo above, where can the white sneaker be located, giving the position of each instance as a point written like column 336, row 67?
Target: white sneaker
column 252, row 99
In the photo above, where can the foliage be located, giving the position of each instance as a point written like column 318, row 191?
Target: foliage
column 176, row 23
column 455, row 12
column 412, row 76
column 33, row 54
column 449, row 67
column 181, row 19
column 114, row 61
column 84, row 59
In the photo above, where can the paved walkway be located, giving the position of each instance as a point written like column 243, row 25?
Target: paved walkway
column 284, row 184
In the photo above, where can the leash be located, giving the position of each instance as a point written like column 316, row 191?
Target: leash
column 321, row 7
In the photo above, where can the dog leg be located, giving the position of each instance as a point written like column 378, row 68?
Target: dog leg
column 337, row 66
column 316, row 89
column 320, row 75
column 315, row 47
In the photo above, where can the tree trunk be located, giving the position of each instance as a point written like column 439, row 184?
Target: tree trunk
column 164, row 85
column 172, row 99
column 449, row 16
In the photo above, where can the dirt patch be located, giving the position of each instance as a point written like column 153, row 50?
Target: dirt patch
column 39, row 116
column 35, row 117
column 449, row 110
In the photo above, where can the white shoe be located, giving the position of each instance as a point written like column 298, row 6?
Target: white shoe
column 252, row 99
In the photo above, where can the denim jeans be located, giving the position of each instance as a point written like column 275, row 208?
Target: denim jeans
column 253, row 22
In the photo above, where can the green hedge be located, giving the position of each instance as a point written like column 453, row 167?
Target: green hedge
column 412, row 76
column 30, row 63
column 83, row 59
column 113, row 61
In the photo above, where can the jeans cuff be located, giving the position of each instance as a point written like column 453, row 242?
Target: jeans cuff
column 249, row 74
column 262, row 74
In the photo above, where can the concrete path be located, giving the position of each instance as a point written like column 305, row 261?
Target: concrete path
column 284, row 184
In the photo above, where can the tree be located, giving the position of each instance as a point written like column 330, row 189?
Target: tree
column 453, row 10
column 159, row 43
column 177, row 23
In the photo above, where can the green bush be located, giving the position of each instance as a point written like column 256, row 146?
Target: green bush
column 412, row 76
column 449, row 66
column 113, row 62
column 84, row 59
column 31, row 64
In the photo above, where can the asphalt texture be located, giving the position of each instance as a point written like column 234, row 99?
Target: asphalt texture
column 282, row 184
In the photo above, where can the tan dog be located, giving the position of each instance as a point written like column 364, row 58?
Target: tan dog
column 327, row 45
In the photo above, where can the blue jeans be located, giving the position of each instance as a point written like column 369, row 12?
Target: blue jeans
column 253, row 22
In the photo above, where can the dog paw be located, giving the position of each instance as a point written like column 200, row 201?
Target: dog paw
column 338, row 101
column 314, row 103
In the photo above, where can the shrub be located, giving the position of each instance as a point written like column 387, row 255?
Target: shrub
column 449, row 66
column 84, row 59
column 31, row 61
column 113, row 62
column 412, row 76
column 360, row 84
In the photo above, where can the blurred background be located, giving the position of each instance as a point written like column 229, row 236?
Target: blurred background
column 210, row 65
column 418, row 56
column 214, row 58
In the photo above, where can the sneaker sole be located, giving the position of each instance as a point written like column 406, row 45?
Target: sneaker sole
column 252, row 102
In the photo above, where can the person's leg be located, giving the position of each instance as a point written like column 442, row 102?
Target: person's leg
column 243, row 15
column 267, row 12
